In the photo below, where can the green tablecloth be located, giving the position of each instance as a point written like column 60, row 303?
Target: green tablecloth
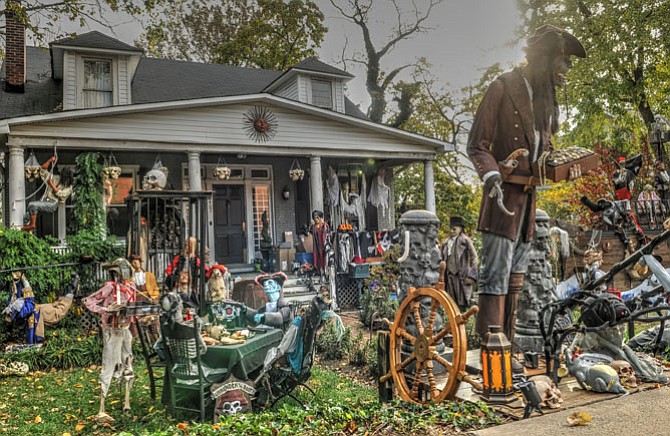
column 243, row 359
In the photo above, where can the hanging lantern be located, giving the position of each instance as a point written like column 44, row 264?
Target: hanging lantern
column 222, row 170
column 296, row 172
column 496, row 356
column 32, row 167
column 111, row 169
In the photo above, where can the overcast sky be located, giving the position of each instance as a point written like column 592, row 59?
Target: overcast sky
column 465, row 36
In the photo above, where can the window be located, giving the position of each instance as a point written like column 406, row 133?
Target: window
column 98, row 90
column 322, row 93
column 261, row 203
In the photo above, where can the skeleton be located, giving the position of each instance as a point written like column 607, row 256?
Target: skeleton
column 626, row 373
column 551, row 395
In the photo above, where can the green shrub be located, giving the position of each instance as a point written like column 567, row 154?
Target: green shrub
column 376, row 303
column 329, row 346
column 64, row 349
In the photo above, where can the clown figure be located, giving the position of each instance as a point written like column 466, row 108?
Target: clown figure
column 277, row 311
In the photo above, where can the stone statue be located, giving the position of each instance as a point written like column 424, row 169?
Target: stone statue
column 422, row 266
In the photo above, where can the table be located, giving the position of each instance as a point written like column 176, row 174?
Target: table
column 243, row 359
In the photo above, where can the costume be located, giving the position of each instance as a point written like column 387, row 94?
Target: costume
column 319, row 231
column 506, row 122
column 145, row 281
column 117, row 351
column 277, row 311
column 460, row 254
column 21, row 306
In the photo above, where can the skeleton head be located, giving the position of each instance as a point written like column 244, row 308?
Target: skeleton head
column 154, row 180
column 551, row 396
column 222, row 173
column 626, row 373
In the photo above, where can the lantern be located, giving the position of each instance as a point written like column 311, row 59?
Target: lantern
column 496, row 356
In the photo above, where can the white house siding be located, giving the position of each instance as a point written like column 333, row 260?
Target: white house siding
column 219, row 128
column 123, row 81
column 69, row 80
column 339, row 96
column 290, row 91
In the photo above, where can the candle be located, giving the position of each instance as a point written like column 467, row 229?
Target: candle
column 118, row 294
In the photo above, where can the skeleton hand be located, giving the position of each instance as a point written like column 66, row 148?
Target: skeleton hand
column 18, row 304
column 259, row 318
column 114, row 307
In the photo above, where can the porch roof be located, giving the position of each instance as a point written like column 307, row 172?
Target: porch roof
column 210, row 124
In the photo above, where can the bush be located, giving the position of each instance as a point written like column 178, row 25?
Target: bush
column 328, row 344
column 65, row 349
column 376, row 303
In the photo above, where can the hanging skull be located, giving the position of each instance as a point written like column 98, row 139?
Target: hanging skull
column 154, row 180
column 551, row 395
column 626, row 373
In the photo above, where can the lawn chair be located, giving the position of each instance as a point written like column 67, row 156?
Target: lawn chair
column 289, row 365
column 186, row 375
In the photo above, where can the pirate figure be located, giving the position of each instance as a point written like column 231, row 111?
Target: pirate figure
column 277, row 311
column 117, row 351
column 512, row 130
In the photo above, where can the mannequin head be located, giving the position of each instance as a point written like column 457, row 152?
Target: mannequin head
column 136, row 262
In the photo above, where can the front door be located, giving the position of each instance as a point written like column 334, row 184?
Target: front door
column 229, row 224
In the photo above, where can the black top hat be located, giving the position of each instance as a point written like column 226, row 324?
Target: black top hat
column 456, row 221
column 550, row 37
column 279, row 277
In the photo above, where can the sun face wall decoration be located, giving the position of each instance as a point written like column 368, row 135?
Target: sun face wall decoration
column 260, row 123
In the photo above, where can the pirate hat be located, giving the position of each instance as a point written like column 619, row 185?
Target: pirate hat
column 213, row 267
column 552, row 37
column 456, row 221
column 279, row 277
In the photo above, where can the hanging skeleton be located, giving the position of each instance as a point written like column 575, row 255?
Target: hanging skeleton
column 379, row 192
column 334, row 189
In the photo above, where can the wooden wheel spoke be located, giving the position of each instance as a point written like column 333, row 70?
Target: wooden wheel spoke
column 434, row 391
column 407, row 361
column 442, row 361
column 438, row 337
column 417, row 317
column 417, row 380
column 403, row 334
column 434, row 305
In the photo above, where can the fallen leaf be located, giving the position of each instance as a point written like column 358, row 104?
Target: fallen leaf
column 80, row 425
column 79, row 385
column 579, row 418
column 67, row 434
column 37, row 419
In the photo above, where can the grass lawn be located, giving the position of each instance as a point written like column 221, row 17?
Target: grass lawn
column 64, row 403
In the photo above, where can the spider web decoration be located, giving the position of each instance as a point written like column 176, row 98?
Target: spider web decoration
column 260, row 123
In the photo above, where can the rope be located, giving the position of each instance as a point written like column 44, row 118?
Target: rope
column 541, row 163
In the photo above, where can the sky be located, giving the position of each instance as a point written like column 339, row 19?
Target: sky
column 465, row 36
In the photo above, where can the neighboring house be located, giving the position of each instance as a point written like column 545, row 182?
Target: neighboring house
column 96, row 93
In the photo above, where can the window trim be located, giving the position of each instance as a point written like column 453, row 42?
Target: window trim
column 313, row 80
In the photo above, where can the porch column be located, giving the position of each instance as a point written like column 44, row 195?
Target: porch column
column 315, row 183
column 194, row 176
column 429, row 184
column 17, row 186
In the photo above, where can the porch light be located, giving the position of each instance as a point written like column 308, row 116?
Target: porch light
column 32, row 167
column 296, row 172
column 285, row 193
column 222, row 170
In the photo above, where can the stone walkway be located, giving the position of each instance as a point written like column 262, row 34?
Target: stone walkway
column 643, row 413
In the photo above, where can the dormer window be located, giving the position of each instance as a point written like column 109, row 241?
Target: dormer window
column 98, row 89
column 322, row 93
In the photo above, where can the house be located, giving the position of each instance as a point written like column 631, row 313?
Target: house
column 96, row 93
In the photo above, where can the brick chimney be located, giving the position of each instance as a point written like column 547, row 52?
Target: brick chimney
column 15, row 56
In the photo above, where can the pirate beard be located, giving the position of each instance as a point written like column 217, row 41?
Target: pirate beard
column 543, row 81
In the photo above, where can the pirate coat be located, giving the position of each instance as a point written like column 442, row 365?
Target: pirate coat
column 503, row 123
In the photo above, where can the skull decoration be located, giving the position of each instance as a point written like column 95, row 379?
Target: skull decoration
column 232, row 407
column 626, row 373
column 113, row 172
column 154, row 180
column 551, row 395
column 222, row 173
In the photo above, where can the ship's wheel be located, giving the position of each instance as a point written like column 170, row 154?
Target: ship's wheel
column 426, row 319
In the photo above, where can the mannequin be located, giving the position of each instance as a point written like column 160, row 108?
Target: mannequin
column 277, row 311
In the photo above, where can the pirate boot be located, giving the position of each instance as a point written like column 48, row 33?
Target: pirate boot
column 491, row 312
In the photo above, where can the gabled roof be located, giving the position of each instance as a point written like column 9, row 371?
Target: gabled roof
column 313, row 64
column 95, row 39
column 42, row 94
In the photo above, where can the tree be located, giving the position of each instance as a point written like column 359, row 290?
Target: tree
column 43, row 18
column 378, row 82
column 625, row 80
column 269, row 34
